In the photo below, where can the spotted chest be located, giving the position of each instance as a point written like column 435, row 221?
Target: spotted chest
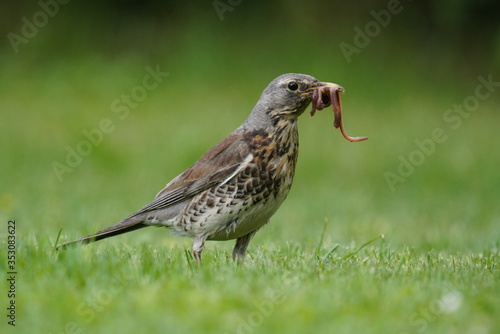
column 252, row 196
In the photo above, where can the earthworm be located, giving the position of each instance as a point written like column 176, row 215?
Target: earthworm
column 326, row 96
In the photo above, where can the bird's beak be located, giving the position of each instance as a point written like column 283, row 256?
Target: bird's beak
column 330, row 85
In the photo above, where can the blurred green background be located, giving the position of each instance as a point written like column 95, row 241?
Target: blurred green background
column 399, row 84
column 404, row 65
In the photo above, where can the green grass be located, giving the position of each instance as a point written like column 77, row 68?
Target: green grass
column 290, row 288
column 318, row 267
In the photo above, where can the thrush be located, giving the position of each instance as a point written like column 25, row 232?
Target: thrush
column 235, row 188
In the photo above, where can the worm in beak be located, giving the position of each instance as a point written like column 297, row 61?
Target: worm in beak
column 329, row 94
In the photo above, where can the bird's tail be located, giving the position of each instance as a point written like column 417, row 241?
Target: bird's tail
column 127, row 225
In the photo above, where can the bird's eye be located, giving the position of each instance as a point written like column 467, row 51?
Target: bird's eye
column 293, row 86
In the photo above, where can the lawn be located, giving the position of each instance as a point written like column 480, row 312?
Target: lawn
column 397, row 234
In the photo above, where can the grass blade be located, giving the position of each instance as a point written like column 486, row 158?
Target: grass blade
column 349, row 255
column 57, row 239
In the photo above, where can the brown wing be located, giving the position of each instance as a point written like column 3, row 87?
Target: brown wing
column 217, row 166
column 214, row 167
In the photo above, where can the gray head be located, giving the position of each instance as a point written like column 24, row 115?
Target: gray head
column 285, row 98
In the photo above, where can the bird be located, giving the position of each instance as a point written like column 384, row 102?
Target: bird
column 232, row 191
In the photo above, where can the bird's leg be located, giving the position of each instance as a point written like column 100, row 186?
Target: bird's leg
column 197, row 255
column 198, row 245
column 241, row 245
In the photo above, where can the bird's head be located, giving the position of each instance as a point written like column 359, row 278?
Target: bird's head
column 287, row 97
